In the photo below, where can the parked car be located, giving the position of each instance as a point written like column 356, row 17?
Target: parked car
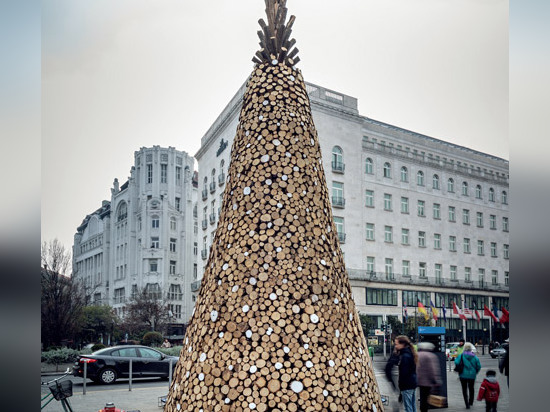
column 109, row 364
column 500, row 351
column 451, row 349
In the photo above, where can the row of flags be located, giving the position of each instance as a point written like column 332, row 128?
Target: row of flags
column 498, row 316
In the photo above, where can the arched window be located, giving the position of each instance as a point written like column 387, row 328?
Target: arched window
column 404, row 174
column 420, row 178
column 222, row 165
column 337, row 159
column 491, row 195
column 450, row 186
column 387, row 170
column 205, row 182
column 152, row 290
column 465, row 188
column 478, row 192
column 435, row 182
column 122, row 213
column 213, row 174
column 504, row 197
column 368, row 166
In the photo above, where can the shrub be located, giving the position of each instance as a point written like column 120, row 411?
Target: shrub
column 58, row 356
column 98, row 346
column 152, row 339
column 173, row 351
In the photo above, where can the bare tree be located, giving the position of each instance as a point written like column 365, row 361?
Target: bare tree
column 146, row 311
column 62, row 297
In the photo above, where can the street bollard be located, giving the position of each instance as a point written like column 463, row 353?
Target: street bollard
column 170, row 373
column 85, row 375
column 130, row 371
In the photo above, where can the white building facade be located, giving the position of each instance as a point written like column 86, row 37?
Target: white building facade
column 144, row 237
column 419, row 219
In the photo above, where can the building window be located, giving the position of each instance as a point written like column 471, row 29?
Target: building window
column 466, row 216
column 452, row 243
column 405, row 236
column 178, row 203
column 494, row 277
column 389, row 268
column 453, row 272
column 155, row 242
column 505, row 224
column 406, row 268
column 437, row 211
column 153, row 265
column 388, row 234
column 173, row 224
column 467, row 274
column 506, row 278
column 438, row 272
column 195, row 248
column 435, row 182
column 479, row 219
column 491, row 195
column 437, row 241
column 370, row 265
column 122, row 212
column 421, row 211
column 480, row 248
column 368, row 166
column 369, row 198
column 163, row 173
column 420, row 178
column 478, row 192
column 467, row 247
column 421, row 239
column 384, row 297
column 174, row 293
column 155, row 222
column 120, row 295
column 172, row 267
column 422, row 269
column 450, row 186
column 481, row 277
column 506, row 251
column 464, row 188
column 149, row 173
column 340, row 229
column 152, row 290
column 452, row 214
column 492, row 222
column 178, row 175
column 173, row 245
column 338, row 194
column 387, row 201
column 370, row 231
column 195, row 271
column 387, row 170
column 504, row 197
column 337, row 159
column 404, row 205
column 404, row 174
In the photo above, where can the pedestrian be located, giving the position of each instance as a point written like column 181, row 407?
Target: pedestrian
column 407, row 359
column 393, row 361
column 504, row 365
column 489, row 390
column 460, row 347
column 470, row 369
column 166, row 344
column 427, row 373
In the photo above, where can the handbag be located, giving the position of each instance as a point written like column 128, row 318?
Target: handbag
column 437, row 401
column 460, row 366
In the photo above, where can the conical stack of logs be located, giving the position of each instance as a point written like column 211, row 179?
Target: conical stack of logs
column 275, row 327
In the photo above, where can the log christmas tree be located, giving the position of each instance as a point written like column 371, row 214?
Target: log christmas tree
column 275, row 327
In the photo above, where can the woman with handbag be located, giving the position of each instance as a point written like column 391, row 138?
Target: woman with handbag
column 467, row 366
column 427, row 372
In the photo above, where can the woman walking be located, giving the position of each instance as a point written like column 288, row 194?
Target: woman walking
column 427, row 372
column 469, row 372
column 407, row 371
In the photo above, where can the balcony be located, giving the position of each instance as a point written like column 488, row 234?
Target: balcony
column 204, row 224
column 338, row 201
column 338, row 167
column 342, row 237
column 204, row 194
column 396, row 278
column 212, row 187
column 221, row 179
column 204, row 254
column 195, row 286
column 212, row 218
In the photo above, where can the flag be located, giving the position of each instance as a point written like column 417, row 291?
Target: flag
column 458, row 312
column 435, row 312
column 444, row 312
column 405, row 314
column 422, row 309
column 491, row 314
column 466, row 310
column 505, row 316
column 477, row 313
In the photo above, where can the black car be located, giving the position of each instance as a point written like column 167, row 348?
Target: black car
column 109, row 364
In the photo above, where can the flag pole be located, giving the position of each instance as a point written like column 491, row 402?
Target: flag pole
column 463, row 322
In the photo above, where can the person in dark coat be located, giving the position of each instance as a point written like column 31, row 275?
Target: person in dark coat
column 504, row 365
column 468, row 375
column 405, row 358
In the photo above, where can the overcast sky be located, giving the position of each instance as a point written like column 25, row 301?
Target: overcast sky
column 120, row 75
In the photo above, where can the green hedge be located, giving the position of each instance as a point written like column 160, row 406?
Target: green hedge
column 58, row 356
column 173, row 351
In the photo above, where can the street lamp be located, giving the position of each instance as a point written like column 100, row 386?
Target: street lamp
column 484, row 333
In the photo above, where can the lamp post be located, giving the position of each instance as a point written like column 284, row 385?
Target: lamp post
column 484, row 333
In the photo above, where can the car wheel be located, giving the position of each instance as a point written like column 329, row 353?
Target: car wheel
column 107, row 376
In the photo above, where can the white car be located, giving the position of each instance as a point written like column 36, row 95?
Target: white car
column 451, row 349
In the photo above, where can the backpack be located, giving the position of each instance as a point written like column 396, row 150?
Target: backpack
column 460, row 366
column 491, row 395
